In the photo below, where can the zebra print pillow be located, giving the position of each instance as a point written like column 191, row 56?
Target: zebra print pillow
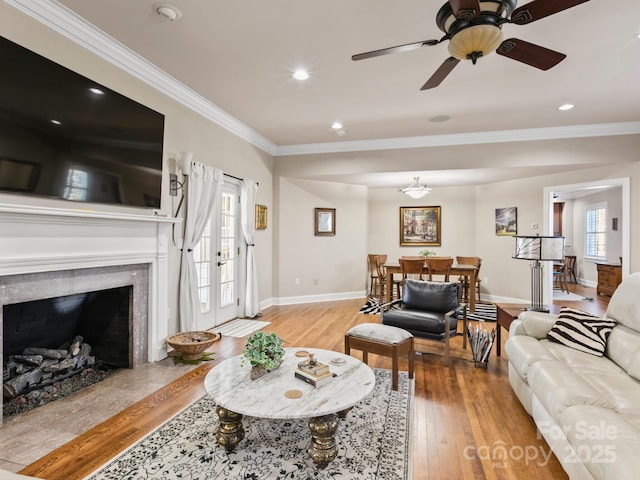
column 581, row 330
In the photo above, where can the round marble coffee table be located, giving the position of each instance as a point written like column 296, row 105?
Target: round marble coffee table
column 236, row 394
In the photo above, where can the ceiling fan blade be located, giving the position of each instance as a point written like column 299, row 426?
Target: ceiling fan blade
column 529, row 53
column 445, row 69
column 400, row 48
column 538, row 9
column 466, row 9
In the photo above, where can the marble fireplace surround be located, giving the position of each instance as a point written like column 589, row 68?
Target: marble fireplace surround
column 47, row 252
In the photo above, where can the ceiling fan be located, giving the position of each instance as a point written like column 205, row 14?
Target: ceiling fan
column 474, row 29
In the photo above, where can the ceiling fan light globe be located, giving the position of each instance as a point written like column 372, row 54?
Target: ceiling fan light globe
column 416, row 194
column 476, row 39
column 416, row 190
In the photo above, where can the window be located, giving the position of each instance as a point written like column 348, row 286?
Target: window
column 76, row 184
column 595, row 230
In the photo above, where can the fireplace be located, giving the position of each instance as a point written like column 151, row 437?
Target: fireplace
column 50, row 252
column 101, row 319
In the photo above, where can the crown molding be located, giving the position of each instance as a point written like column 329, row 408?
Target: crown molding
column 525, row 135
column 67, row 23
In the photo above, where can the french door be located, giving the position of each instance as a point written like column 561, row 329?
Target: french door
column 218, row 260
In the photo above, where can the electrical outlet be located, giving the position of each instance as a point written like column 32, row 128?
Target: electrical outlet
column 315, row 281
column 485, row 280
column 297, row 281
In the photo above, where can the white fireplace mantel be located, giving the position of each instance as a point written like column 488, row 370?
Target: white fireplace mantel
column 36, row 239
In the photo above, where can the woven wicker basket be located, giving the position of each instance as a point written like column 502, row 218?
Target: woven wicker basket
column 191, row 344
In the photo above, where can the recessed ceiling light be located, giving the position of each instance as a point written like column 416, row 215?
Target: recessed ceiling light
column 565, row 107
column 56, row 122
column 167, row 11
column 96, row 91
column 336, row 126
column 300, row 75
column 440, row 118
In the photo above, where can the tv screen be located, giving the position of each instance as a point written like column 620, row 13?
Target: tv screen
column 65, row 136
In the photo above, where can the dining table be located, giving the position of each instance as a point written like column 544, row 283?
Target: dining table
column 459, row 269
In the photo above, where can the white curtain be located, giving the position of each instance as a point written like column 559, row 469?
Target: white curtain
column 203, row 188
column 247, row 198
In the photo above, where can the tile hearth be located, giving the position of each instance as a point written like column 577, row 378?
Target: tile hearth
column 31, row 435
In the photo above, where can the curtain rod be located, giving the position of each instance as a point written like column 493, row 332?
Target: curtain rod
column 237, row 178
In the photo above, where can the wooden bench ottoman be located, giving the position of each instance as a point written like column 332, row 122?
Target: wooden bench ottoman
column 381, row 340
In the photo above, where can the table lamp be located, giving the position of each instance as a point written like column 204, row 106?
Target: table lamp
column 538, row 249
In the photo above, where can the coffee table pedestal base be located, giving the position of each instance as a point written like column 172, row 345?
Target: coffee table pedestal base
column 323, row 449
column 230, row 431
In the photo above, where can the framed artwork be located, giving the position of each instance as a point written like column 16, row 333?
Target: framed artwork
column 325, row 221
column 506, row 221
column 261, row 217
column 18, row 175
column 420, row 226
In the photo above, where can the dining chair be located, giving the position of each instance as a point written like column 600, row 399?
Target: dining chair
column 570, row 260
column 560, row 276
column 411, row 267
column 382, row 278
column 440, row 266
column 374, row 280
column 464, row 280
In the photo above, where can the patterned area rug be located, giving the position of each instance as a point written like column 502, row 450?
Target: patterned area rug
column 239, row 328
column 373, row 307
column 374, row 442
column 485, row 312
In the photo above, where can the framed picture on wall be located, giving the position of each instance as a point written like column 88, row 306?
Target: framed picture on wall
column 261, row 217
column 506, row 221
column 420, row 226
column 325, row 221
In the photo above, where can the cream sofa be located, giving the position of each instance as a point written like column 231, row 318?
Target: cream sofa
column 586, row 407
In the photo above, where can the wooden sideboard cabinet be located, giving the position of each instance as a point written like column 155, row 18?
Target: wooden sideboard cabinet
column 609, row 277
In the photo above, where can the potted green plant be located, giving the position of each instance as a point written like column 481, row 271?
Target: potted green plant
column 427, row 253
column 264, row 352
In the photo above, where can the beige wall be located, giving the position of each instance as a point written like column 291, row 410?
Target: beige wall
column 458, row 221
column 468, row 213
column 586, row 269
column 184, row 131
column 338, row 263
column 510, row 278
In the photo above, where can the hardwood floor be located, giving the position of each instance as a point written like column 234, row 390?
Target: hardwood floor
column 463, row 419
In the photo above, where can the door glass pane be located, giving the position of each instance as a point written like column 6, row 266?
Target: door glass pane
column 227, row 249
column 202, row 259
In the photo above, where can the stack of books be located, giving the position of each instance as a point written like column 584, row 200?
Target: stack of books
column 315, row 373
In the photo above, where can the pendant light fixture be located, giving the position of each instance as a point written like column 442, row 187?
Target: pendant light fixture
column 416, row 189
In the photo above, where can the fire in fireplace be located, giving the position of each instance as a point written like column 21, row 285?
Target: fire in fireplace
column 78, row 337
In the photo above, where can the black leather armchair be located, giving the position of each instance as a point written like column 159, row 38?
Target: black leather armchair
column 430, row 310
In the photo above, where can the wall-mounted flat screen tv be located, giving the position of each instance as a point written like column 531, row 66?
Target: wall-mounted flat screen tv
column 65, row 136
